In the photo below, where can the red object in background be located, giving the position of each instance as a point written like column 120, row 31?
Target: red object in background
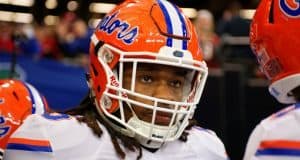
column 50, row 48
column 6, row 44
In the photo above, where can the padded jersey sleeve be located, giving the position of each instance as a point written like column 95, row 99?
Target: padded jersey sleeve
column 207, row 144
column 276, row 137
column 55, row 137
column 30, row 141
column 253, row 142
column 45, row 137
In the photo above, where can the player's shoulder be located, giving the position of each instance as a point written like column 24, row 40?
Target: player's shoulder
column 55, row 133
column 50, row 117
column 37, row 126
column 47, row 120
column 285, row 115
column 208, row 140
column 200, row 132
column 280, row 131
column 291, row 110
column 36, row 132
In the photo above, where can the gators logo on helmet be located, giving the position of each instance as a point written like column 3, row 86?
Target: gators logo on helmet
column 290, row 8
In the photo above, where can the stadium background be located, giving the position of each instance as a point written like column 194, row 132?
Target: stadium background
column 235, row 98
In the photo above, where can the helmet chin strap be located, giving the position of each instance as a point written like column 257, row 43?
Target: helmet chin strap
column 158, row 132
column 116, row 127
column 143, row 127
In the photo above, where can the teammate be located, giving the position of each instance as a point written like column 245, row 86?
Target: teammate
column 146, row 76
column 17, row 100
column 275, row 41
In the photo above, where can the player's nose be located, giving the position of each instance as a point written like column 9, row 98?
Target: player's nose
column 163, row 91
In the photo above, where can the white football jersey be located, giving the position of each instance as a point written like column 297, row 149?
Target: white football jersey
column 61, row 137
column 276, row 137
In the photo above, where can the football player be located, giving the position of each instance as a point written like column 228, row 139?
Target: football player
column 146, row 77
column 18, row 99
column 274, row 38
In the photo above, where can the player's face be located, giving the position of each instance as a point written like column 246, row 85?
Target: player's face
column 159, row 81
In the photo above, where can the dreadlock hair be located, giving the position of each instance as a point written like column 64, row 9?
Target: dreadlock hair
column 87, row 113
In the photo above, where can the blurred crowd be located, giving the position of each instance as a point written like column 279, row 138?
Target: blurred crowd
column 225, row 40
column 222, row 40
column 67, row 41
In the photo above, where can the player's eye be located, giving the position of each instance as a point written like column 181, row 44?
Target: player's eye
column 176, row 83
column 146, row 79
